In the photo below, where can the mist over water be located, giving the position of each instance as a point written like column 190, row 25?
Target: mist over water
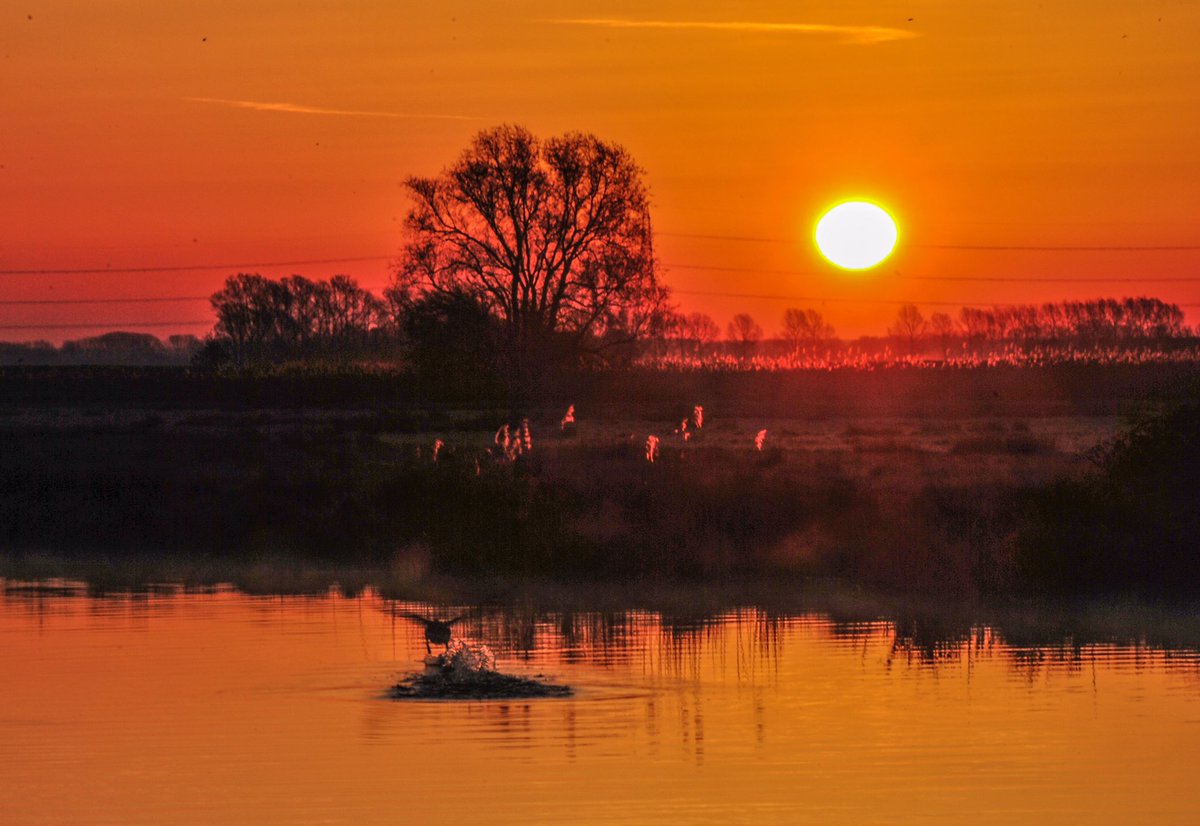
column 217, row 706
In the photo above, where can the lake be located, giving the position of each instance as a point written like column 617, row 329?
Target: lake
column 214, row 706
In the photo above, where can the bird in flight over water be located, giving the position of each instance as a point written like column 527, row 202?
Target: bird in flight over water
column 436, row 631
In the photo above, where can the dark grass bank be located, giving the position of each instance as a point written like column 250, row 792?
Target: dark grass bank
column 1081, row 389
column 236, row 485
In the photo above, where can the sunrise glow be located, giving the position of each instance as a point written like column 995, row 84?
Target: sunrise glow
column 601, row 412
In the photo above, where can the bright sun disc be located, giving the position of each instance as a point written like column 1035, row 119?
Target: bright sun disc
column 856, row 235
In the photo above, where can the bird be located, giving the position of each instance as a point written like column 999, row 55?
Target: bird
column 436, row 631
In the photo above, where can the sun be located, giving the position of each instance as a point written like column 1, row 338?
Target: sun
column 856, row 235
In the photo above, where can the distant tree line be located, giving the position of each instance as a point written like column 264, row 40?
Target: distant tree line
column 115, row 348
column 263, row 320
column 1102, row 322
column 451, row 338
column 446, row 335
column 1069, row 326
column 1079, row 326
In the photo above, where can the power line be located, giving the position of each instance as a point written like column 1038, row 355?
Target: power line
column 28, row 302
column 706, row 237
column 1064, row 248
column 698, row 267
column 755, row 239
column 981, row 278
column 196, row 267
column 97, row 325
column 669, row 265
column 703, row 236
column 822, row 300
column 358, row 259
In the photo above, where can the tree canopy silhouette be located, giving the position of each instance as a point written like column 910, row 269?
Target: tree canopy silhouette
column 805, row 327
column 261, row 318
column 909, row 326
column 744, row 332
column 551, row 236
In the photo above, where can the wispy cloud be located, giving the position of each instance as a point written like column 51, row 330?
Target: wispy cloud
column 848, row 34
column 300, row 109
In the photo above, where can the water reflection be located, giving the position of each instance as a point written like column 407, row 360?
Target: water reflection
column 210, row 705
column 174, row 704
column 670, row 644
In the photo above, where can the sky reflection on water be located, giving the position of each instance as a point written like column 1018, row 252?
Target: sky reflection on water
column 223, row 707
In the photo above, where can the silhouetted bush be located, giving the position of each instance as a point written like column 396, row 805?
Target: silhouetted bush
column 453, row 345
column 1133, row 524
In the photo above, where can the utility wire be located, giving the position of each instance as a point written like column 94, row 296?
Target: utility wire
column 696, row 267
column 196, row 267
column 670, row 266
column 96, row 325
column 981, row 278
column 704, row 236
column 752, row 239
column 29, row 302
column 826, row 300
column 1065, row 248
column 830, row 300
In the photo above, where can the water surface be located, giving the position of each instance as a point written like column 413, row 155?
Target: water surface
column 219, row 707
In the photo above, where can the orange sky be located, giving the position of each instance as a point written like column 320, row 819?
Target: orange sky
column 137, row 134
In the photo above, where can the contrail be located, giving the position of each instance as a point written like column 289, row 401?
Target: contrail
column 849, row 34
column 300, row 109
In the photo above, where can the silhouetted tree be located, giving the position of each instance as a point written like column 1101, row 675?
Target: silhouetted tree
column 744, row 332
column 909, row 326
column 183, row 343
column 349, row 311
column 943, row 327
column 805, row 328
column 259, row 318
column 974, row 325
column 695, row 332
column 551, row 236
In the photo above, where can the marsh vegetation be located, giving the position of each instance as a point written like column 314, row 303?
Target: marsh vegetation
column 862, row 482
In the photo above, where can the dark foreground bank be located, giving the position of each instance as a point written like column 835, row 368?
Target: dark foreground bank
column 338, row 486
column 403, row 400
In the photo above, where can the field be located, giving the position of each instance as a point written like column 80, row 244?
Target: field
column 915, row 480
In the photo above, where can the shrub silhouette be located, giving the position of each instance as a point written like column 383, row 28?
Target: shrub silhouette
column 1133, row 524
